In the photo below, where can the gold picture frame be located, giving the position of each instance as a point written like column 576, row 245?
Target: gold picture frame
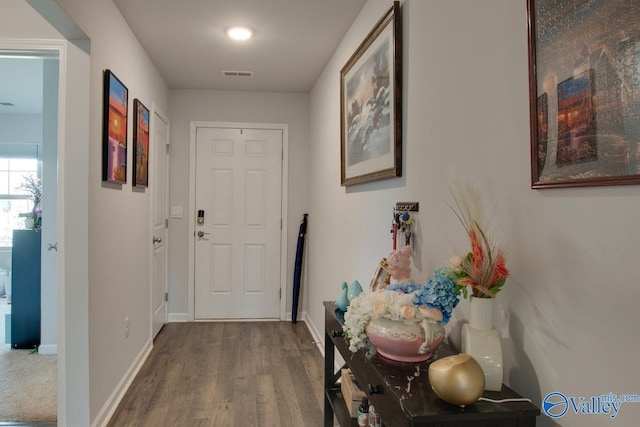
column 381, row 278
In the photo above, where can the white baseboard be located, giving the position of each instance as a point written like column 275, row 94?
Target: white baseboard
column 178, row 317
column 48, row 349
column 318, row 338
column 112, row 403
column 287, row 316
column 302, row 316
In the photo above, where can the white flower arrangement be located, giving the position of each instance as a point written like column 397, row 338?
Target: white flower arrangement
column 387, row 304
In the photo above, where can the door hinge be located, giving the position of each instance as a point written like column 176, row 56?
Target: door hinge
column 280, row 224
column 280, row 293
column 167, row 145
column 166, row 296
column 166, row 223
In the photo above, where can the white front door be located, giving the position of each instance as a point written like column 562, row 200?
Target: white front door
column 159, row 178
column 237, row 242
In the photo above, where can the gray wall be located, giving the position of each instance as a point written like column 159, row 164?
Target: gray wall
column 119, row 231
column 226, row 106
column 568, row 313
column 21, row 128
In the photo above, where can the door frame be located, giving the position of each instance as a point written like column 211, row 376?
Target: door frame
column 72, row 208
column 194, row 125
column 152, row 172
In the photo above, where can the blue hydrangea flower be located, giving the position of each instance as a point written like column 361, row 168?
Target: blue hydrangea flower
column 406, row 287
column 439, row 293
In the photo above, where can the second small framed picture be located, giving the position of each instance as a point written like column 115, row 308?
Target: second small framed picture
column 141, row 144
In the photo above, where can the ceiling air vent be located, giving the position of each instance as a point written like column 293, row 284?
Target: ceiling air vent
column 237, row 73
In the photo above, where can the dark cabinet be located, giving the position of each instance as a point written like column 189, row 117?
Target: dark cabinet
column 401, row 392
column 25, row 289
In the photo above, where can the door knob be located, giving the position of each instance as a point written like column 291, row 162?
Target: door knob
column 157, row 239
column 201, row 233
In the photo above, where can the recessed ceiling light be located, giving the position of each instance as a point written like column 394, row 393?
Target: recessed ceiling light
column 239, row 32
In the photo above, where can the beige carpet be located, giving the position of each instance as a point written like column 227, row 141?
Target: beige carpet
column 27, row 386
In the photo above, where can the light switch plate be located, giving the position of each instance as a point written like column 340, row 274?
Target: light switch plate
column 176, row 212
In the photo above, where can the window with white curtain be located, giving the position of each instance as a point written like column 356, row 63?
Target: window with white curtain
column 14, row 200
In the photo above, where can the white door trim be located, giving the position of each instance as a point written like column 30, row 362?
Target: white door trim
column 192, row 203
column 156, row 111
column 72, row 253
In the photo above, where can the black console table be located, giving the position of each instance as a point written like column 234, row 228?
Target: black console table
column 401, row 392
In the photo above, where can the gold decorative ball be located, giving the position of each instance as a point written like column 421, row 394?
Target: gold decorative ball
column 457, row 379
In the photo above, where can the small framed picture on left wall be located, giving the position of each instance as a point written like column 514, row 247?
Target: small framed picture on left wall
column 114, row 129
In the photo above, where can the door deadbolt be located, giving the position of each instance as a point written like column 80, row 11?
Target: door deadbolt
column 157, row 239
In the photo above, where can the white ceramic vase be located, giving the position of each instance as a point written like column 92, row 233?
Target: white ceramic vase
column 482, row 342
column 29, row 223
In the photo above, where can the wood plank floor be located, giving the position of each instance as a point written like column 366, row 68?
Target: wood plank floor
column 227, row 374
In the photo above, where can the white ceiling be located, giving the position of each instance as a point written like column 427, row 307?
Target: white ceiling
column 185, row 39
column 21, row 84
column 294, row 40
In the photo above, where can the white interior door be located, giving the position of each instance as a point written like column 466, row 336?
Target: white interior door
column 159, row 188
column 237, row 242
column 49, row 241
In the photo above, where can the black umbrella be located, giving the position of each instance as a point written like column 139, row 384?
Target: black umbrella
column 297, row 272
